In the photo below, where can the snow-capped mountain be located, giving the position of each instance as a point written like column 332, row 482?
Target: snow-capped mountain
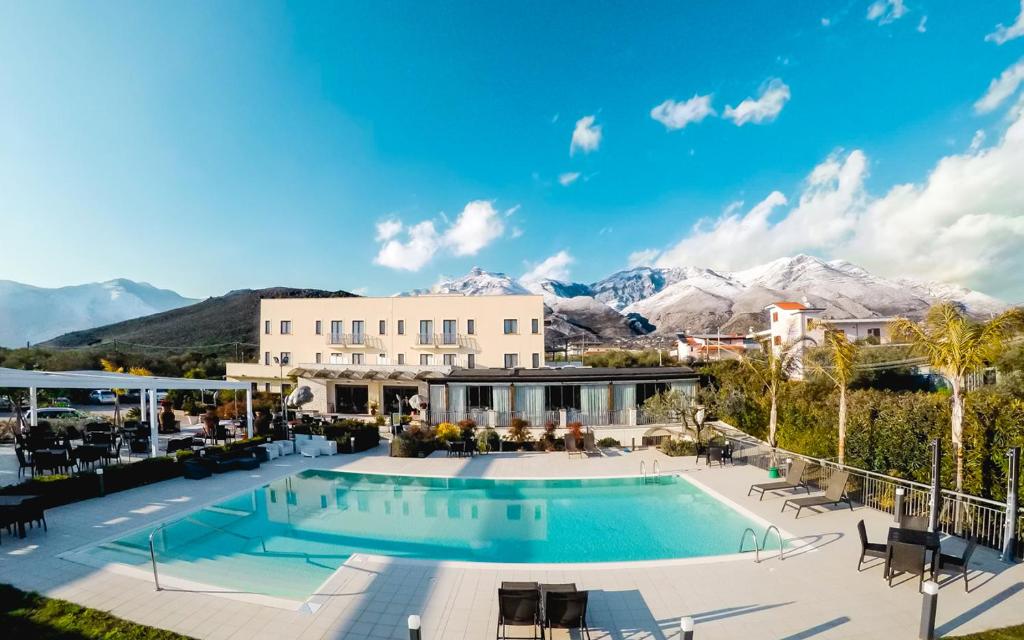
column 645, row 299
column 31, row 314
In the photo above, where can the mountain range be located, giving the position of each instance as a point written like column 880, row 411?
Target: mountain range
column 626, row 304
column 31, row 314
column 666, row 300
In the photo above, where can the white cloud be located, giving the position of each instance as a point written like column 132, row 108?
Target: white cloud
column 515, row 233
column 676, row 115
column 963, row 223
column 421, row 245
column 643, row 258
column 886, row 11
column 568, row 178
column 1001, row 88
column 774, row 95
column 511, row 211
column 1004, row 34
column 476, row 227
column 977, row 140
column 555, row 267
column 922, row 26
column 586, row 136
column 826, row 22
column 388, row 229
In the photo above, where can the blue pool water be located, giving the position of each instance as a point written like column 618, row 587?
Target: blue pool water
column 285, row 538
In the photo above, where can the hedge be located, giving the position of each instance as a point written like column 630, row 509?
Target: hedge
column 57, row 490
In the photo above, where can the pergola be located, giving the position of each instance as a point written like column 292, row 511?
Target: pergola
column 147, row 385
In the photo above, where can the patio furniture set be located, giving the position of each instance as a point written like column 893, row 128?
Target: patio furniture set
column 541, row 606
column 589, row 445
column 41, row 450
column 16, row 511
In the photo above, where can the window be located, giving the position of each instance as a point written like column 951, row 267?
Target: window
column 286, row 327
column 471, row 326
column 357, row 358
column 511, row 360
column 426, row 359
column 401, row 358
column 319, row 327
column 382, row 327
column 449, row 359
column 266, row 357
column 337, row 358
column 645, row 390
column 357, row 332
column 337, row 330
column 266, row 387
column 285, row 357
column 511, row 326
column 535, row 325
column 777, row 341
column 479, row 397
column 401, row 327
column 266, row 327
column 382, row 358
column 874, row 333
column 351, row 398
column 810, row 323
column 317, row 357
column 426, row 335
column 536, row 360
column 775, row 316
column 450, row 331
column 471, row 360
column 566, row 396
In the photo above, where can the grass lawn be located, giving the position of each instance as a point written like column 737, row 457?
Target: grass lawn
column 30, row 615
column 1007, row 633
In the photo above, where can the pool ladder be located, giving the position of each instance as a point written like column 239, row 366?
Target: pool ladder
column 162, row 531
column 764, row 542
column 657, row 472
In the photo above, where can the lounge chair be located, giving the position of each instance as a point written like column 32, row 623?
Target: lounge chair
column 794, row 480
column 906, row 558
column 589, row 446
column 566, row 610
column 958, row 564
column 834, row 494
column 869, row 549
column 519, row 607
column 570, row 446
column 917, row 523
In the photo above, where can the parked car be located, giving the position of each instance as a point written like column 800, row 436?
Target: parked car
column 102, row 396
column 64, row 416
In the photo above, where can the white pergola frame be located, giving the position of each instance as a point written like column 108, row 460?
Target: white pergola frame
column 147, row 385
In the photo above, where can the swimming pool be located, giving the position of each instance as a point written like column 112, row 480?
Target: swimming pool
column 286, row 538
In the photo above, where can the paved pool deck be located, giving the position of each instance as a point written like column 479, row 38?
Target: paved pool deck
column 816, row 592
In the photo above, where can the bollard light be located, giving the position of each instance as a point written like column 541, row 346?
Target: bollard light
column 929, row 604
column 352, row 444
column 414, row 628
column 686, row 627
column 99, row 476
column 897, row 511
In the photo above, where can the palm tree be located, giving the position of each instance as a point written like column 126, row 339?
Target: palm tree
column 842, row 364
column 772, row 367
column 955, row 346
column 111, row 367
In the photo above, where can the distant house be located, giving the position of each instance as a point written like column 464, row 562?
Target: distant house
column 704, row 347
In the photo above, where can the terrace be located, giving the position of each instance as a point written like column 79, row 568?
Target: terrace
column 816, row 591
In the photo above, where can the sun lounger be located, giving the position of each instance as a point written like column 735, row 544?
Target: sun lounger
column 519, row 607
column 589, row 446
column 834, row 494
column 570, row 446
column 794, row 480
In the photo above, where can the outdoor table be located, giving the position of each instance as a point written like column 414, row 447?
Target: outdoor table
column 13, row 502
column 930, row 540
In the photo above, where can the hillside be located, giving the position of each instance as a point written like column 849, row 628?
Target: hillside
column 233, row 317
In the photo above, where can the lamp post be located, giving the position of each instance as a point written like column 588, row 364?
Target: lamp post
column 280, row 362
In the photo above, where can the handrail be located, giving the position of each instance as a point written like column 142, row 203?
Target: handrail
column 152, row 555
column 657, row 472
column 643, row 472
column 764, row 541
column 263, row 543
column 753, row 535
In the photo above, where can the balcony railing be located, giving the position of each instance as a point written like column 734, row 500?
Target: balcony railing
column 442, row 340
column 356, row 340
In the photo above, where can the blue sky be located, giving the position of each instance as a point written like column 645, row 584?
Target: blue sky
column 211, row 146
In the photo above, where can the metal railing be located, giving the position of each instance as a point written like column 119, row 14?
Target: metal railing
column 442, row 340
column 353, row 340
column 960, row 514
column 753, row 536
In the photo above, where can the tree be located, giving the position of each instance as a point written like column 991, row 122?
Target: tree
column 955, row 346
column 112, row 367
column 841, row 367
column 771, row 368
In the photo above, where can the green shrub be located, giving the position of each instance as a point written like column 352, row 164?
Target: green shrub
column 677, row 448
column 608, row 442
column 489, row 440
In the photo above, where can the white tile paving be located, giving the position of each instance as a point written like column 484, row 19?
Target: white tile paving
column 815, row 593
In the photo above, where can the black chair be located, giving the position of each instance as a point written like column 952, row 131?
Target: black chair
column 958, row 564
column 869, row 549
column 113, row 450
column 917, row 523
column 715, row 455
column 906, row 558
column 84, row 456
column 519, row 607
column 46, row 460
column 24, row 462
column 566, row 610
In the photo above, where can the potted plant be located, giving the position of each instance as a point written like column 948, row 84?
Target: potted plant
column 576, row 430
column 374, row 405
column 519, row 432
